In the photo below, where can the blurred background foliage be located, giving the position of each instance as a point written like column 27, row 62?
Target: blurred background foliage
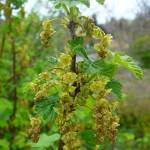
column 132, row 36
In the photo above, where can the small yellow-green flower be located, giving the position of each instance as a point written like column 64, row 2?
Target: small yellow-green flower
column 69, row 77
column 64, row 59
column 39, row 95
column 107, row 40
column 35, row 121
column 44, row 75
column 97, row 33
column 46, row 24
column 101, row 50
column 98, row 86
column 79, row 32
column 34, row 86
column 65, row 97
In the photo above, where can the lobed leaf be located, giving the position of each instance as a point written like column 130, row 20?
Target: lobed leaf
column 18, row 3
column 45, row 107
column 99, row 67
column 129, row 64
column 45, row 141
column 116, row 87
column 4, row 144
column 76, row 46
column 73, row 2
column 100, row 1
column 52, row 60
column 62, row 5
column 89, row 138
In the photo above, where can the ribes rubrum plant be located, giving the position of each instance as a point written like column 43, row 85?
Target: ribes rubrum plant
column 14, row 61
column 75, row 93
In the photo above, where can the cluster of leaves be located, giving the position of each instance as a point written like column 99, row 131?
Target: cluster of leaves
column 23, row 30
column 63, row 3
column 11, row 69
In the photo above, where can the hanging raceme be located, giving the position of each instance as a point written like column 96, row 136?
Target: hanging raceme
column 47, row 32
column 34, row 129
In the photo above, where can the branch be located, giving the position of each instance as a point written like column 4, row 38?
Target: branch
column 2, row 45
column 71, row 28
column 12, row 128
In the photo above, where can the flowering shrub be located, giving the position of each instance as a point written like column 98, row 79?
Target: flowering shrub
column 77, row 96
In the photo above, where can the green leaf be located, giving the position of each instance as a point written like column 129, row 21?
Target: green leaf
column 89, row 138
column 20, row 140
column 5, row 111
column 129, row 64
column 116, row 87
column 45, row 107
column 99, row 67
column 62, row 5
column 85, row 2
column 4, row 144
column 45, row 141
column 21, row 121
column 58, row 5
column 100, row 1
column 4, row 27
column 52, row 60
column 73, row 2
column 104, row 67
column 81, row 51
column 128, row 136
column 76, row 46
column 74, row 12
column 17, row 3
column 76, row 42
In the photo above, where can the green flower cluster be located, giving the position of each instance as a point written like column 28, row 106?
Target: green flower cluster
column 88, row 28
column 34, row 129
column 47, row 32
column 106, row 122
column 60, row 77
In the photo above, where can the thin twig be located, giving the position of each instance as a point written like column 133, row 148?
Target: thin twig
column 2, row 45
